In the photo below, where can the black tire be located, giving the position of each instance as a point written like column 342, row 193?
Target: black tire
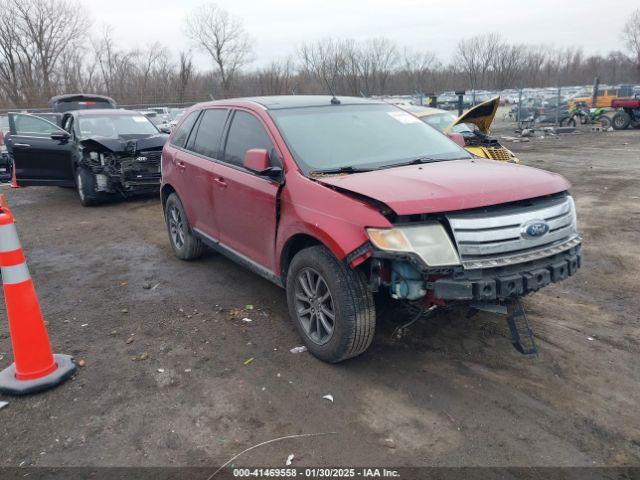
column 185, row 245
column 621, row 121
column 86, row 188
column 571, row 122
column 605, row 121
column 354, row 321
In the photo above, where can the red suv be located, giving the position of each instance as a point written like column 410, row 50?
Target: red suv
column 337, row 199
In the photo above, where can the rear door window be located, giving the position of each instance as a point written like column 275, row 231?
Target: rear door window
column 181, row 135
column 246, row 132
column 207, row 138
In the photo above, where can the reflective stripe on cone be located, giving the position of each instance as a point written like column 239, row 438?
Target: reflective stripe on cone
column 15, row 274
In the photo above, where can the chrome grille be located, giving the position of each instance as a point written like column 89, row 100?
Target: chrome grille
column 493, row 237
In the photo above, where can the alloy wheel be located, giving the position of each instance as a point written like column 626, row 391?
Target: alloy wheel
column 314, row 306
column 80, row 187
column 176, row 226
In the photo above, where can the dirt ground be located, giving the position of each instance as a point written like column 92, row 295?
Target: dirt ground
column 169, row 381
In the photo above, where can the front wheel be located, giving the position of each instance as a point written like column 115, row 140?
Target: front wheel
column 86, row 187
column 571, row 122
column 330, row 304
column 184, row 243
column 621, row 121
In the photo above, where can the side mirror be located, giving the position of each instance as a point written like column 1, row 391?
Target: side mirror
column 257, row 160
column 457, row 137
column 61, row 136
column 165, row 129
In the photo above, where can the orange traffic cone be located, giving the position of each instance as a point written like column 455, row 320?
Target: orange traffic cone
column 35, row 367
column 14, row 180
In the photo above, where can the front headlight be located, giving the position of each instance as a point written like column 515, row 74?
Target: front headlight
column 428, row 240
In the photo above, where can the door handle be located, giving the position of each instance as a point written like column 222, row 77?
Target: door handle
column 181, row 165
column 220, row 181
column 21, row 145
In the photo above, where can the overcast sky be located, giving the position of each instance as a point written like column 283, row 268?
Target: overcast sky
column 279, row 26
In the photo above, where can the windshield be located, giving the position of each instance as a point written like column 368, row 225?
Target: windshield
column 442, row 120
column 114, row 126
column 360, row 137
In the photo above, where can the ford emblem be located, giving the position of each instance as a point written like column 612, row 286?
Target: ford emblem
column 535, row 229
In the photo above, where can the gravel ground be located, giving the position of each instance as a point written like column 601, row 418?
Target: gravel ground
column 173, row 376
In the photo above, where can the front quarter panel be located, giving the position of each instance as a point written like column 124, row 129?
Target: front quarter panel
column 335, row 219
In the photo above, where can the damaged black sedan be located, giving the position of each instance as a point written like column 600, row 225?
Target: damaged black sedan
column 102, row 153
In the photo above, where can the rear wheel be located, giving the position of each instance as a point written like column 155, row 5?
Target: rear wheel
column 571, row 122
column 184, row 243
column 621, row 121
column 330, row 304
column 604, row 121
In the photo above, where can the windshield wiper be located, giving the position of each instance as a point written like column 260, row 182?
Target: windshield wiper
column 338, row 170
column 415, row 161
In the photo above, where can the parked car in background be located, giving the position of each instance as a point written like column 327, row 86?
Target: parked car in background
column 162, row 112
column 80, row 101
column 336, row 199
column 100, row 152
column 474, row 126
column 158, row 120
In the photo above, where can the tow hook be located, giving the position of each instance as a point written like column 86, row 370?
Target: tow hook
column 521, row 333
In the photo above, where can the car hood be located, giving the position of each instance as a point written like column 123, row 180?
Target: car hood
column 449, row 185
column 481, row 115
column 154, row 142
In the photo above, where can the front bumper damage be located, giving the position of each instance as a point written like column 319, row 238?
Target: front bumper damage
column 128, row 168
column 408, row 278
column 125, row 174
column 507, row 282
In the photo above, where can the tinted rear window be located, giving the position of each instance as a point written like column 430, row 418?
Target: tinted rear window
column 181, row 135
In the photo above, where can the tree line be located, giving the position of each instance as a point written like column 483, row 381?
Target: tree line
column 46, row 49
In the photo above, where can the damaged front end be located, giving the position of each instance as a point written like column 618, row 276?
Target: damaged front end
column 487, row 258
column 126, row 167
column 479, row 141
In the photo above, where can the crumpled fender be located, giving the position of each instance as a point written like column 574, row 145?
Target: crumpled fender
column 335, row 219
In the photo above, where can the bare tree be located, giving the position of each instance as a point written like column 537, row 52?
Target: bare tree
column 418, row 67
column 185, row 74
column 12, row 68
column 323, row 61
column 474, row 57
column 152, row 58
column 276, row 78
column 223, row 37
column 506, row 64
column 382, row 56
column 631, row 36
column 53, row 27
